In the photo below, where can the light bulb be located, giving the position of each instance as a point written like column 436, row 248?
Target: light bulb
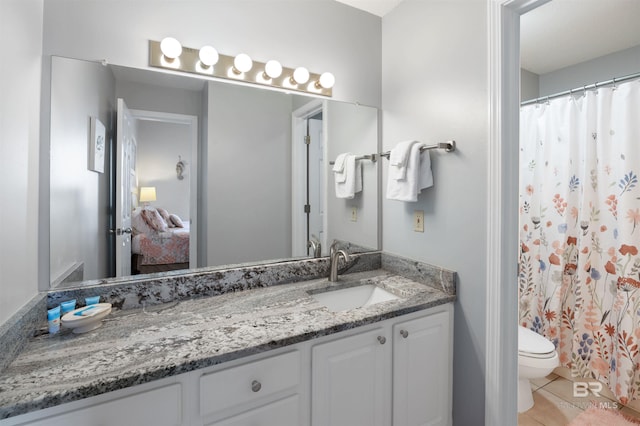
column 301, row 75
column 208, row 56
column 171, row 48
column 326, row 81
column 242, row 63
column 273, row 69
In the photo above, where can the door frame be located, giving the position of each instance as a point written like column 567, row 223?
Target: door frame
column 501, row 339
column 192, row 122
column 298, row 179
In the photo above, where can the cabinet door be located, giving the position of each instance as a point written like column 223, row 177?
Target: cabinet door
column 351, row 381
column 422, row 371
column 158, row 407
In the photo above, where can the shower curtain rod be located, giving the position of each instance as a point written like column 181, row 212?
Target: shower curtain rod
column 583, row 88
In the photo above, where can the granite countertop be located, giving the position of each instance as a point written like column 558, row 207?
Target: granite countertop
column 139, row 345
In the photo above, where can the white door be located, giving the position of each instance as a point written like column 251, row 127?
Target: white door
column 351, row 381
column 125, row 178
column 316, row 180
column 422, row 372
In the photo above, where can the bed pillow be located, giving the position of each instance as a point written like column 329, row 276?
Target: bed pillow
column 138, row 223
column 154, row 220
column 165, row 217
column 177, row 222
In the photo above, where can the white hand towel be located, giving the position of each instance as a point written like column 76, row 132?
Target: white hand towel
column 425, row 175
column 398, row 159
column 353, row 181
column 418, row 177
column 338, row 167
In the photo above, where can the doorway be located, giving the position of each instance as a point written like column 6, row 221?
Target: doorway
column 166, row 159
column 309, row 180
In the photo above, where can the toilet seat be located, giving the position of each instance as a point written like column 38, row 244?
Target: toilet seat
column 533, row 345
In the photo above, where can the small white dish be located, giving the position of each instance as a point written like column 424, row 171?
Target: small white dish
column 86, row 318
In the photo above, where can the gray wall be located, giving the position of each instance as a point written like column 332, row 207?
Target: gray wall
column 604, row 68
column 21, row 38
column 79, row 196
column 352, row 128
column 160, row 144
column 248, row 188
column 434, row 88
column 529, row 85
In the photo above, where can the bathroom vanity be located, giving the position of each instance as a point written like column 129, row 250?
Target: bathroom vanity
column 269, row 355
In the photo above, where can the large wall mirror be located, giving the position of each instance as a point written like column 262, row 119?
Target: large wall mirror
column 153, row 172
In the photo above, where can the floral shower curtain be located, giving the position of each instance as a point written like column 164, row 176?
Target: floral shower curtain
column 579, row 277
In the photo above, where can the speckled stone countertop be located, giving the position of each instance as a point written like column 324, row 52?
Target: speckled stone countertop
column 140, row 345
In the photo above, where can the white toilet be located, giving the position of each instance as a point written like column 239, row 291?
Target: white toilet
column 537, row 357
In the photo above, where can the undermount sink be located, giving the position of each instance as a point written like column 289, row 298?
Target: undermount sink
column 353, row 297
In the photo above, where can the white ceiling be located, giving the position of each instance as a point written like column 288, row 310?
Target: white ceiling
column 562, row 32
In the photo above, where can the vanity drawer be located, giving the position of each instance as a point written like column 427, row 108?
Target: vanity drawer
column 249, row 382
column 285, row 412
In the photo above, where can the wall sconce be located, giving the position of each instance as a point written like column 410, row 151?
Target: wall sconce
column 170, row 54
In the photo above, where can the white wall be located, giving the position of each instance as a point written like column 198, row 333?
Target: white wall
column 79, row 196
column 21, row 38
column 353, row 128
column 435, row 88
column 248, row 188
column 159, row 146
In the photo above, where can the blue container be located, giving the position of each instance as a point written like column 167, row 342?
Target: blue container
column 67, row 306
column 53, row 318
column 93, row 300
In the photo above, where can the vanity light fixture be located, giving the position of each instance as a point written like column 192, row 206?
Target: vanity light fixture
column 171, row 48
column 208, row 56
column 272, row 69
column 326, row 81
column 169, row 54
column 300, row 75
column 242, row 63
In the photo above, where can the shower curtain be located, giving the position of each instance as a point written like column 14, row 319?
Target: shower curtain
column 579, row 261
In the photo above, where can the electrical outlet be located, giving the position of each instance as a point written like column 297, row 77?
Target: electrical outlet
column 418, row 221
column 354, row 214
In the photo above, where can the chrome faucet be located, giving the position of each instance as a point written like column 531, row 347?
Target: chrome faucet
column 334, row 259
column 315, row 246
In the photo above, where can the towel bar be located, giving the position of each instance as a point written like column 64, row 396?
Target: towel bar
column 372, row 157
column 448, row 146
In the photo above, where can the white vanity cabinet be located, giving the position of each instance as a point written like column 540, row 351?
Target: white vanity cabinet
column 399, row 374
column 393, row 372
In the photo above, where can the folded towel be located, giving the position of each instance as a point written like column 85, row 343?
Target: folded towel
column 339, row 167
column 398, row 159
column 353, row 178
column 418, row 176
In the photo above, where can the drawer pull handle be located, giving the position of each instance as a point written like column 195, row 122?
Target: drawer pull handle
column 404, row 333
column 256, row 386
column 382, row 340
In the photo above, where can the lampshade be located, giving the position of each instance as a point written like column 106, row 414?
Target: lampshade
column 147, row 193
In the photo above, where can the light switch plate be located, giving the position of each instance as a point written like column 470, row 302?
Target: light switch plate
column 418, row 221
column 354, row 214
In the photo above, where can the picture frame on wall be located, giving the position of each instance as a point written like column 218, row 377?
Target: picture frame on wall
column 97, row 145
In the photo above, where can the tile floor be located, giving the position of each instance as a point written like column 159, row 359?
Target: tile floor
column 555, row 405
